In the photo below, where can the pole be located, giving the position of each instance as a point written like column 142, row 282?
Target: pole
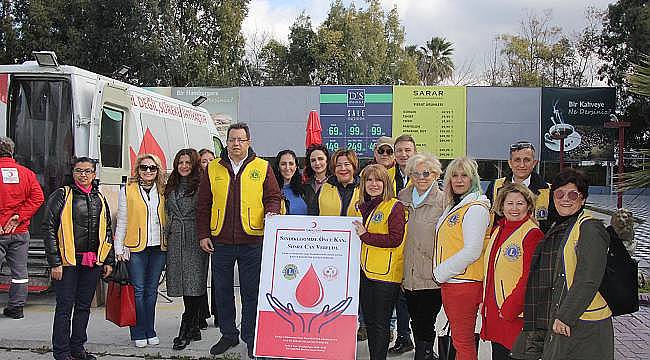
column 621, row 163
column 561, row 153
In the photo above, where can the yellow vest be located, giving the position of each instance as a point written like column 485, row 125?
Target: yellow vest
column 598, row 309
column 384, row 264
column 449, row 241
column 509, row 261
column 329, row 201
column 252, row 178
column 541, row 202
column 138, row 214
column 66, row 232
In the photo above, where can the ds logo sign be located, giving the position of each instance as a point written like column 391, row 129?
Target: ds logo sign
column 356, row 97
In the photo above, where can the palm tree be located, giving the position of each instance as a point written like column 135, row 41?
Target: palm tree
column 639, row 82
column 436, row 64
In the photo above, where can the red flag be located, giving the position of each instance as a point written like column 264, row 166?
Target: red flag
column 313, row 129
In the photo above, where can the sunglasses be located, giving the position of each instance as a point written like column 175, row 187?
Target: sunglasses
column 571, row 195
column 424, row 174
column 150, row 168
column 383, row 150
column 521, row 146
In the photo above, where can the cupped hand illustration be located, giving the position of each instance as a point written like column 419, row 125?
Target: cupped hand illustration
column 316, row 323
column 287, row 313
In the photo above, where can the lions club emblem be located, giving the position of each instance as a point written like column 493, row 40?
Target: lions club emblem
column 453, row 220
column 255, row 175
column 541, row 214
column 378, row 217
column 290, row 271
column 512, row 252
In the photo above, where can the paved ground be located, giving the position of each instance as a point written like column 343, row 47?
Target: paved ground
column 632, row 335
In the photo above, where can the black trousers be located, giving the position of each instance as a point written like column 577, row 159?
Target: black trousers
column 377, row 301
column 500, row 352
column 424, row 306
column 74, row 293
column 194, row 309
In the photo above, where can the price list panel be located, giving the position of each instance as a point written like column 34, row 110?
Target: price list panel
column 353, row 117
column 434, row 115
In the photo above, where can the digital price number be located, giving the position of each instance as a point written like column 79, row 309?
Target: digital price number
column 355, row 130
column 376, row 130
column 334, row 130
column 332, row 146
column 356, row 145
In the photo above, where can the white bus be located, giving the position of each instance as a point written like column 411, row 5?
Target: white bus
column 56, row 112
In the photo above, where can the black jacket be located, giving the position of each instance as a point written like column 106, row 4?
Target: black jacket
column 86, row 210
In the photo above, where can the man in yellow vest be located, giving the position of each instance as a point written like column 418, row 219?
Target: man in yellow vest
column 237, row 190
column 522, row 163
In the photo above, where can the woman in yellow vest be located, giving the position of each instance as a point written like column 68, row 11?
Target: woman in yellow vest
column 458, row 257
column 565, row 316
column 339, row 195
column 78, row 244
column 139, row 240
column 382, row 261
column 507, row 261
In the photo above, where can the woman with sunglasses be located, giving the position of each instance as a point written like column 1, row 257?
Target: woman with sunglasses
column 508, row 255
column 293, row 192
column 424, row 201
column 565, row 317
column 139, row 239
column 382, row 235
column 78, row 243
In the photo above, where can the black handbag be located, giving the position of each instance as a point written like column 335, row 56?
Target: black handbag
column 446, row 350
column 120, row 273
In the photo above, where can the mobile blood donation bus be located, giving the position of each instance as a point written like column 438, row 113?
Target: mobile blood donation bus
column 56, row 112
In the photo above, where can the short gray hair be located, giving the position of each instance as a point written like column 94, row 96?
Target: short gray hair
column 432, row 163
column 6, row 147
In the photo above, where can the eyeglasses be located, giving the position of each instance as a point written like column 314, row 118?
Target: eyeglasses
column 83, row 171
column 236, row 140
column 423, row 175
column 522, row 145
column 149, row 168
column 571, row 195
column 383, row 150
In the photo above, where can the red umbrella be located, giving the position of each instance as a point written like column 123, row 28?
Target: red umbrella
column 313, row 129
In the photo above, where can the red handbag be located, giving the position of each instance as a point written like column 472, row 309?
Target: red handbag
column 120, row 304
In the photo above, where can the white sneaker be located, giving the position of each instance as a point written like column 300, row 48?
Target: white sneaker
column 153, row 341
column 141, row 343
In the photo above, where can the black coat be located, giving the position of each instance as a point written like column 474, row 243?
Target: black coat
column 86, row 209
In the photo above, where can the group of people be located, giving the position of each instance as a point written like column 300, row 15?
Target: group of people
column 525, row 256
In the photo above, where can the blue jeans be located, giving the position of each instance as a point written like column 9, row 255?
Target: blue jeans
column 401, row 316
column 74, row 293
column 249, row 261
column 145, row 268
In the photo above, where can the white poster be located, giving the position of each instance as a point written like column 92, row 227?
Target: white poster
column 309, row 288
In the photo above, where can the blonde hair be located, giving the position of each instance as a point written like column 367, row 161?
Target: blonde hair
column 423, row 158
column 380, row 173
column 464, row 165
column 161, row 177
column 511, row 188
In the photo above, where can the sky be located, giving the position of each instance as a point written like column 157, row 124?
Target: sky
column 471, row 25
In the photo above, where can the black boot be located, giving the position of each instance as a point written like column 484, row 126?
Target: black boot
column 424, row 351
column 194, row 331
column 182, row 340
column 402, row 344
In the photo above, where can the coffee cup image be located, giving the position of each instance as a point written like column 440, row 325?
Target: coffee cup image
column 560, row 130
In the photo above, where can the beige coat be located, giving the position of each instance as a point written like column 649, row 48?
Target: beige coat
column 418, row 251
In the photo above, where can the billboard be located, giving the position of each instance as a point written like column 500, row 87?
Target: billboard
column 434, row 115
column 221, row 103
column 578, row 114
column 354, row 116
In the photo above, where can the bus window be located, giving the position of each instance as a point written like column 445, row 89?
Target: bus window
column 111, row 141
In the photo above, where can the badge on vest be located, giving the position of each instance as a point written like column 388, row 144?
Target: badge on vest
column 255, row 175
column 541, row 214
column 10, row 176
column 378, row 217
column 512, row 252
column 453, row 220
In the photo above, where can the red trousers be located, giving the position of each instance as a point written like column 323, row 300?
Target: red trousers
column 461, row 303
